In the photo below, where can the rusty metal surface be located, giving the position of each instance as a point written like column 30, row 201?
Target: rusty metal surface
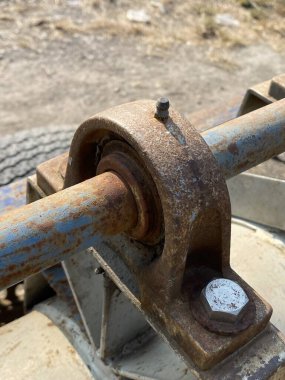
column 261, row 359
column 247, row 141
column 263, row 355
column 262, row 94
column 264, row 358
column 120, row 158
column 34, row 191
column 256, row 97
column 41, row 286
column 196, row 222
column 76, row 272
column 183, row 175
column 50, row 174
column 171, row 267
column 154, row 360
column 42, row 233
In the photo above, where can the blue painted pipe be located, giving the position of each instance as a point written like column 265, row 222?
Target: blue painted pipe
column 45, row 232
column 242, row 143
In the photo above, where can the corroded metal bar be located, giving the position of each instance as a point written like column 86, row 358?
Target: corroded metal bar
column 41, row 234
column 45, row 232
column 242, row 143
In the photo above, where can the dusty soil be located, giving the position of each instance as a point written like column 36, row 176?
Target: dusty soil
column 62, row 61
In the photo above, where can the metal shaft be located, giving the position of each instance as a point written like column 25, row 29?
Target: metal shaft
column 41, row 234
column 244, row 142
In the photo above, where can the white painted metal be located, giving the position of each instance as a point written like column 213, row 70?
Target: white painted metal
column 258, row 199
column 88, row 291
column 65, row 319
column 33, row 347
column 258, row 256
column 122, row 322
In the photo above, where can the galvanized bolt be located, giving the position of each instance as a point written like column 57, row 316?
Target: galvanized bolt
column 162, row 107
column 224, row 300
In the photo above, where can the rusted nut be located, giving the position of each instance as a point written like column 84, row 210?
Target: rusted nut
column 224, row 300
column 162, row 107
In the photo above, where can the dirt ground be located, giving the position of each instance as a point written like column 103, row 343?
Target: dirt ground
column 62, row 61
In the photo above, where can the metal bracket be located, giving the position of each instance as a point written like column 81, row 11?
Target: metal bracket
column 262, row 94
column 194, row 248
column 264, row 208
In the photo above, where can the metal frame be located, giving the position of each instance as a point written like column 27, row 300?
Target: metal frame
column 251, row 199
column 88, row 130
column 115, row 246
column 122, row 259
column 262, row 94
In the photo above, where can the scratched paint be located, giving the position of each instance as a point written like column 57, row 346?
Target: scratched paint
column 45, row 232
column 12, row 196
column 247, row 141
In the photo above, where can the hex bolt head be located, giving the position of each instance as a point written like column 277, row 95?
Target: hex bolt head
column 224, row 300
column 162, row 107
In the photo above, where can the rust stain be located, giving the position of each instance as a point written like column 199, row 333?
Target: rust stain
column 233, row 148
column 147, row 193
